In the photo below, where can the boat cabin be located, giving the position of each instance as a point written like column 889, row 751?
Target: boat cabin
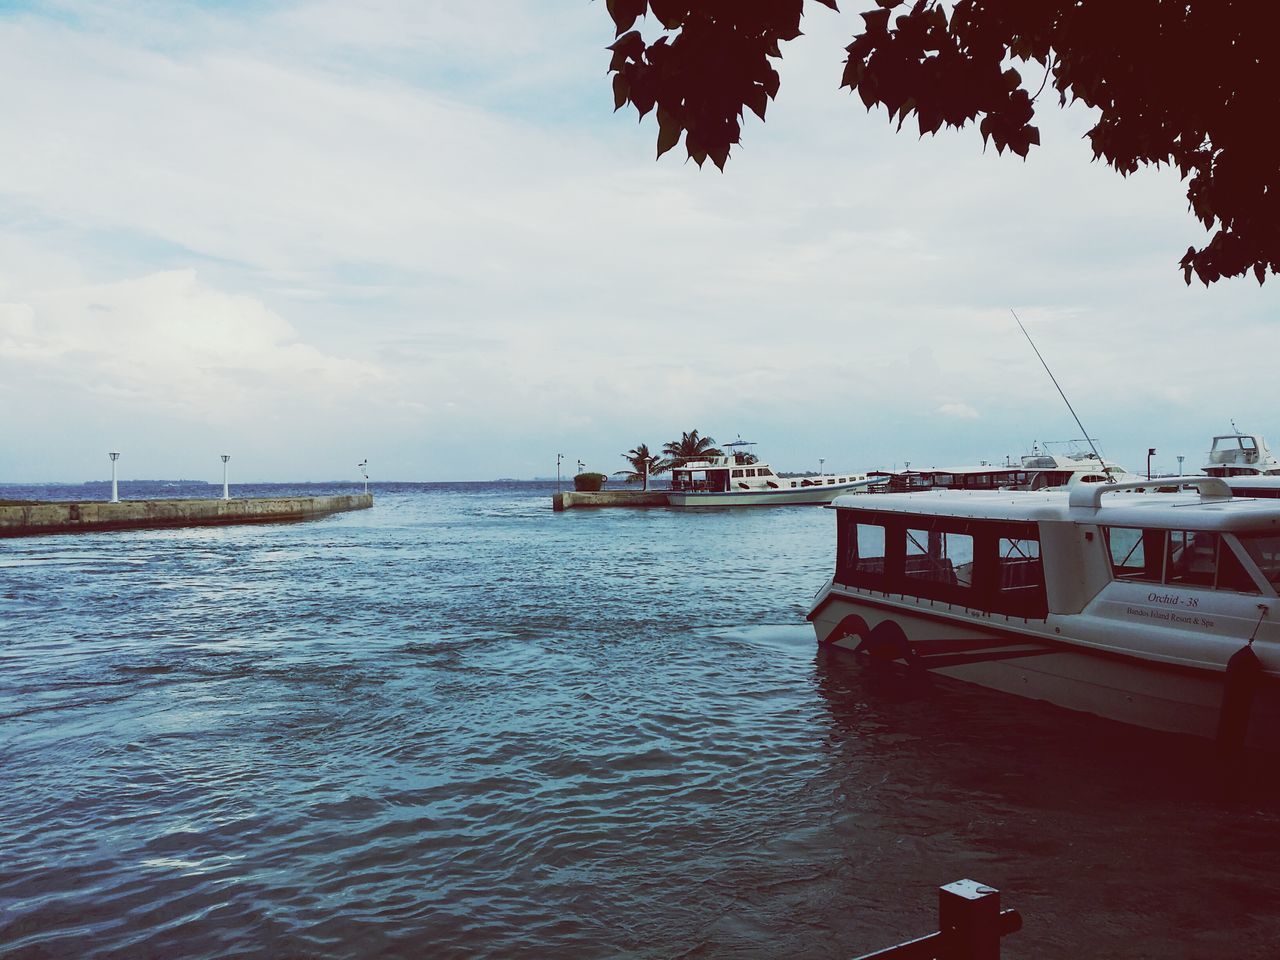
column 1241, row 455
column 987, row 552
column 984, row 477
column 1037, row 471
column 739, row 473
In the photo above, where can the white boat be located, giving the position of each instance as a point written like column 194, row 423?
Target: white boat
column 1246, row 463
column 1038, row 470
column 1241, row 455
column 738, row 479
column 1128, row 607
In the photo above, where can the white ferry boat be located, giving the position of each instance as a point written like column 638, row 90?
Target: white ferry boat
column 1038, row 470
column 739, row 479
column 1128, row 607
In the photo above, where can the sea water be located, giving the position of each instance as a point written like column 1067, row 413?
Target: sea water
column 462, row 725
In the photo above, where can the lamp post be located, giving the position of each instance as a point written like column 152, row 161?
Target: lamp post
column 559, row 457
column 115, row 494
column 226, row 491
column 1181, row 457
column 364, row 472
column 1151, row 452
column 821, row 461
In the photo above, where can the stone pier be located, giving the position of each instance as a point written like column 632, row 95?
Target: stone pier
column 609, row 498
column 35, row 517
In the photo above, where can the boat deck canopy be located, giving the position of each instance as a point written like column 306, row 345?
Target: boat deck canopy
column 1181, row 510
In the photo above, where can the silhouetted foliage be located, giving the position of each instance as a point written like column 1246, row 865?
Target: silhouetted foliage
column 637, row 456
column 691, row 446
column 1191, row 83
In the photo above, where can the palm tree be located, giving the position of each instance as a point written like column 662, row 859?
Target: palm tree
column 691, row 446
column 638, row 456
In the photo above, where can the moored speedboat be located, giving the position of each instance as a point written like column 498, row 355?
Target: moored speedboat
column 1246, row 463
column 1126, row 607
column 1241, row 455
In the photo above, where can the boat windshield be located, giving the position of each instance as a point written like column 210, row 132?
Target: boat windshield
column 1264, row 548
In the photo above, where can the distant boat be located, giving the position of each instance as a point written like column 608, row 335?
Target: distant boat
column 1038, row 470
column 1246, row 463
column 739, row 479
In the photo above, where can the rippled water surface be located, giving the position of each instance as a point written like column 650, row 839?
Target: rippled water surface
column 461, row 725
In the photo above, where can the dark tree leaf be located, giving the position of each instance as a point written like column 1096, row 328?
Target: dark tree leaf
column 625, row 12
column 1190, row 83
column 669, row 129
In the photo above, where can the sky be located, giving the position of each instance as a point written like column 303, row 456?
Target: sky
column 309, row 233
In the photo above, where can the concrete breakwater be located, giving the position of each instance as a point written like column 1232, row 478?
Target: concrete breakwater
column 610, row 498
column 32, row 518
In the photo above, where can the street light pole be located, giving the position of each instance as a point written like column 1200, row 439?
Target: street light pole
column 559, row 457
column 821, row 461
column 226, row 491
column 1151, row 452
column 115, row 493
column 1181, row 457
column 364, row 472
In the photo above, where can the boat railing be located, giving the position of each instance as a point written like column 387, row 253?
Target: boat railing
column 696, row 486
column 1090, row 494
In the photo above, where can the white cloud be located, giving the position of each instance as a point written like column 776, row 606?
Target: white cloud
column 403, row 209
column 166, row 340
column 958, row 411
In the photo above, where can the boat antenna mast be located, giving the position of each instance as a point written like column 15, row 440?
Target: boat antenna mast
column 1105, row 472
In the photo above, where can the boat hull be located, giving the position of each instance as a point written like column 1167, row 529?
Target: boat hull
column 1028, row 659
column 763, row 498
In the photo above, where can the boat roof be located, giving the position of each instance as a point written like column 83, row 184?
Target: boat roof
column 719, row 463
column 990, row 468
column 1184, row 510
column 1046, row 461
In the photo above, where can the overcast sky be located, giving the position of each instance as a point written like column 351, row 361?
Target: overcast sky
column 309, row 233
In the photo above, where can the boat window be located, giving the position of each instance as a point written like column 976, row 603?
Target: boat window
column 1232, row 574
column 1264, row 548
column 1191, row 557
column 940, row 557
column 1020, row 576
column 793, row 483
column 989, row 565
column 1130, row 549
column 861, row 550
column 870, row 550
column 832, row 480
column 737, row 473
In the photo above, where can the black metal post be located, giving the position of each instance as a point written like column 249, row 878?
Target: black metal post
column 970, row 923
